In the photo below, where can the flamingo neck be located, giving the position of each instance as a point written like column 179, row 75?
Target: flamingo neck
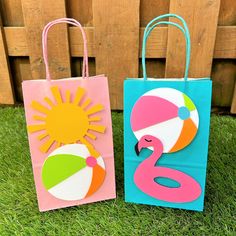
column 156, row 154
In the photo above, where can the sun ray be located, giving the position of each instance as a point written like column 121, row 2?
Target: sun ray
column 92, row 136
column 79, row 94
column 94, row 109
column 85, row 141
column 35, row 128
column 97, row 128
column 90, row 147
column 49, row 102
column 41, row 118
column 45, row 147
column 57, row 95
column 58, row 144
column 37, row 106
column 86, row 103
column 94, row 118
column 67, row 96
column 42, row 136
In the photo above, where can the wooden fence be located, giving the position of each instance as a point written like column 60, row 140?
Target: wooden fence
column 114, row 30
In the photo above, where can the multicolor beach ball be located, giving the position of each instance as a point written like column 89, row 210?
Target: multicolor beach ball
column 167, row 114
column 71, row 173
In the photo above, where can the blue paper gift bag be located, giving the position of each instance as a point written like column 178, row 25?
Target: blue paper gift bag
column 166, row 134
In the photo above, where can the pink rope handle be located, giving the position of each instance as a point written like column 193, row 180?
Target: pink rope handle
column 85, row 71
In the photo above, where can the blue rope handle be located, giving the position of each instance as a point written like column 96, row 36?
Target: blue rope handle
column 167, row 23
column 149, row 29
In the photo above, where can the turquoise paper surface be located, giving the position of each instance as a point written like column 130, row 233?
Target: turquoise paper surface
column 191, row 160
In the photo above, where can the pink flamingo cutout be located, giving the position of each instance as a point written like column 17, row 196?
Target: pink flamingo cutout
column 189, row 189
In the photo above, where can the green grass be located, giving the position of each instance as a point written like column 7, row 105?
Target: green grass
column 19, row 213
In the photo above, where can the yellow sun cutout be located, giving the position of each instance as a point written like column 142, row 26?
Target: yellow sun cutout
column 66, row 122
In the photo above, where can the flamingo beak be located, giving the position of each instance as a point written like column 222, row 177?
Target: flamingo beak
column 136, row 147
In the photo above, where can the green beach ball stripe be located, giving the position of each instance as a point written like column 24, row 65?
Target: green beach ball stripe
column 60, row 167
column 188, row 103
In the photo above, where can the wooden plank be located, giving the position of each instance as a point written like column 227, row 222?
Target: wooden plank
column 150, row 9
column 11, row 11
column 155, row 68
column 201, row 17
column 223, row 77
column 20, row 68
column 225, row 45
column 76, row 41
column 36, row 15
column 116, row 43
column 12, row 15
column 16, row 41
column 156, row 43
column 6, row 90
column 81, row 10
column 227, row 14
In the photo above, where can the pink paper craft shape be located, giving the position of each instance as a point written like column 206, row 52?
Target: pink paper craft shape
column 189, row 189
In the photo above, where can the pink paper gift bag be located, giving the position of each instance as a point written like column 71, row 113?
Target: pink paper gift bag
column 70, row 135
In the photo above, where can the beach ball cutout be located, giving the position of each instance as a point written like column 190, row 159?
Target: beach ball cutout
column 167, row 114
column 71, row 173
